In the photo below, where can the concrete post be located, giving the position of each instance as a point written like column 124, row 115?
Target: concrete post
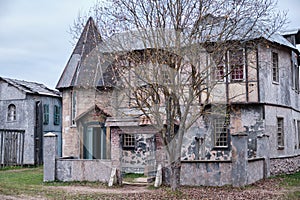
column 239, row 160
column 50, row 152
column 263, row 151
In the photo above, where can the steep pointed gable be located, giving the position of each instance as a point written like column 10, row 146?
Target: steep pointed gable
column 89, row 39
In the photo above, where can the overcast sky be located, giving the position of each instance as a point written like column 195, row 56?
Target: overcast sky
column 34, row 39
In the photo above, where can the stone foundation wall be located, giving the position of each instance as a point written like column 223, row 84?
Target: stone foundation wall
column 284, row 165
column 83, row 170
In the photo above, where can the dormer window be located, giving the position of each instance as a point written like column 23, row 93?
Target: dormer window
column 11, row 113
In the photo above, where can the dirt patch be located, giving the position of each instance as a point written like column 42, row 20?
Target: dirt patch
column 21, row 197
column 126, row 189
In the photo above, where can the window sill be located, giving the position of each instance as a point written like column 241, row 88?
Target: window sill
column 275, row 82
column 220, row 148
column 11, row 121
column 280, row 147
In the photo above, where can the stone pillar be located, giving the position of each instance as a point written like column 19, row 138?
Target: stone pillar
column 239, row 159
column 50, row 152
column 263, row 151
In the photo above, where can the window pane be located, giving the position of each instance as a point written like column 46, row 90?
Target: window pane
column 220, row 132
column 11, row 113
column 236, row 63
column 128, row 140
column 275, row 68
column 46, row 114
column 280, row 132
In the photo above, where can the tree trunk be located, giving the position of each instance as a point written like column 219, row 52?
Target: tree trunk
column 175, row 169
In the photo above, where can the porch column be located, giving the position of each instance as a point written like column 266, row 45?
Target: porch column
column 50, row 152
column 239, row 159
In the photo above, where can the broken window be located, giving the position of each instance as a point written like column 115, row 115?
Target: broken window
column 11, row 113
column 280, row 132
column 220, row 132
column 95, row 143
column 275, row 67
column 45, row 114
column 236, row 65
column 56, row 115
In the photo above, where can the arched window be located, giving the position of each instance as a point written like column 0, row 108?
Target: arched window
column 11, row 113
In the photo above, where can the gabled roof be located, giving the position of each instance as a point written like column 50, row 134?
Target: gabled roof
column 89, row 39
column 31, row 87
column 93, row 109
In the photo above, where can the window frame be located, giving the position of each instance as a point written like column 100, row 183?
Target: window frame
column 233, row 67
column 73, row 108
column 296, row 77
column 280, row 132
column 220, row 124
column 298, row 133
column 11, row 113
column 56, row 115
column 275, row 67
column 128, row 141
column 46, row 114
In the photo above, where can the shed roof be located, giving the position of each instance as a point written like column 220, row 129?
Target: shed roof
column 31, row 87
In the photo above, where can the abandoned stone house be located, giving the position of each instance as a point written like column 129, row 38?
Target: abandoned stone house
column 29, row 110
column 262, row 136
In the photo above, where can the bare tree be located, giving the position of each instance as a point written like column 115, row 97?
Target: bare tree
column 165, row 56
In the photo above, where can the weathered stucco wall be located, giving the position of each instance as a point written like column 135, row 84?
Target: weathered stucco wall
column 255, row 170
column 271, row 114
column 83, row 170
column 216, row 173
column 25, row 120
column 135, row 160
